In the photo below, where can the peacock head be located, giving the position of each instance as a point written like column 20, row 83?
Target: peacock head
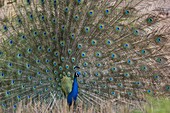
column 77, row 73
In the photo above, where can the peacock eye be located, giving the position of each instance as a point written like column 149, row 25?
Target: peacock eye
column 35, row 33
column 126, row 12
column 87, row 29
column 66, row 10
column 76, row 17
column 149, row 20
column 136, row 32
column 126, row 45
column 117, row 28
column 11, row 42
column 148, row 91
column 158, row 40
column 14, row 106
column 7, row 93
column 101, row 27
column 79, row 1
column 19, row 20
column 54, row 20
column 5, row 27
column 93, row 42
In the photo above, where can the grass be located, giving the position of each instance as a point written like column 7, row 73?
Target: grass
column 161, row 105
column 59, row 107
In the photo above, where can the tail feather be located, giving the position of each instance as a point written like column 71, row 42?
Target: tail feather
column 122, row 51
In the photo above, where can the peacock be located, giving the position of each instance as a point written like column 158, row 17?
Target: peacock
column 72, row 96
column 89, row 51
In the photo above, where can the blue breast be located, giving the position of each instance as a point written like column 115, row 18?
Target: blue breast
column 72, row 96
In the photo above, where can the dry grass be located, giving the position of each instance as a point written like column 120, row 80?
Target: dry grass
column 160, row 105
column 60, row 107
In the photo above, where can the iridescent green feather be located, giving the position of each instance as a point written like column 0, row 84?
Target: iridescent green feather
column 121, row 53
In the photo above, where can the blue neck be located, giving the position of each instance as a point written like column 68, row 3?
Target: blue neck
column 75, row 84
column 75, row 79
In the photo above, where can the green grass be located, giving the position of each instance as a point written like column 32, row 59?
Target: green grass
column 161, row 105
